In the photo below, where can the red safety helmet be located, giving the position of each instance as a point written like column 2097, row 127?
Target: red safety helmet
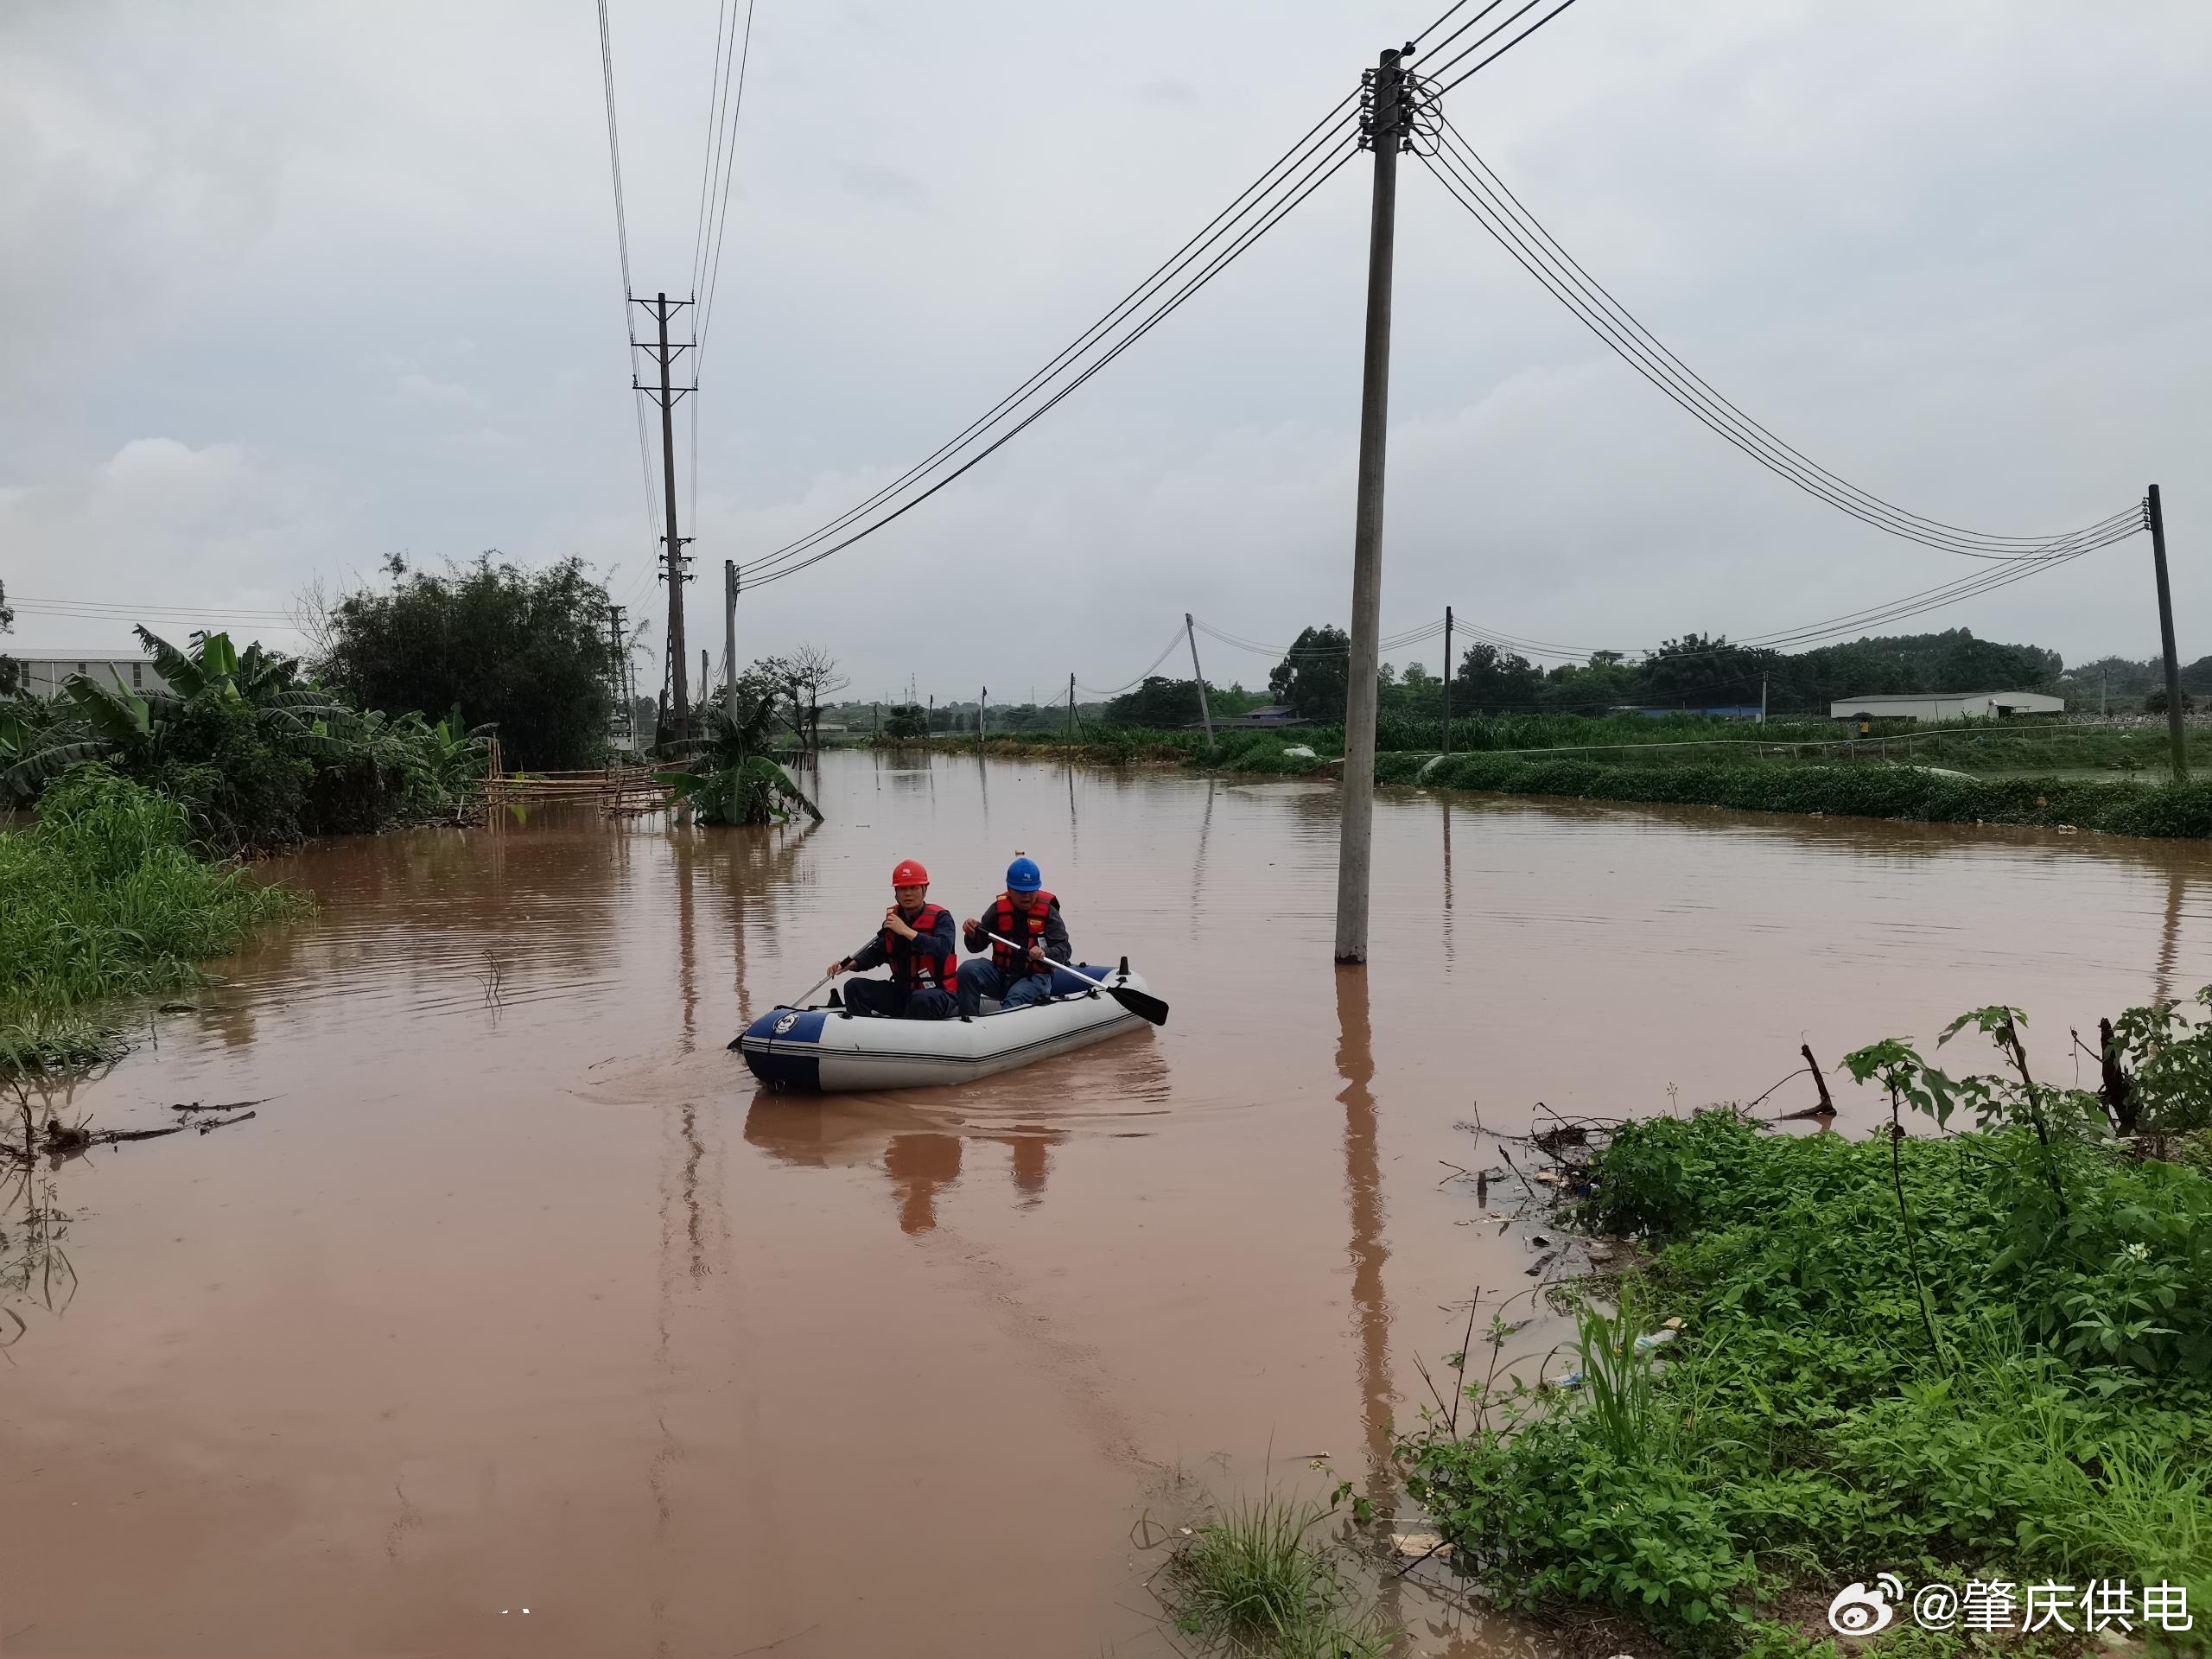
column 910, row 874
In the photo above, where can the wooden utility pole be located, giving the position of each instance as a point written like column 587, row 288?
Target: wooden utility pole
column 2154, row 515
column 1205, row 713
column 667, row 395
column 729, row 637
column 1383, row 131
column 1447, row 679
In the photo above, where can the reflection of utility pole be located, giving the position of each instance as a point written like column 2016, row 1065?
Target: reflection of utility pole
column 1383, row 130
column 667, row 396
column 2155, row 518
column 1368, row 1249
column 1205, row 713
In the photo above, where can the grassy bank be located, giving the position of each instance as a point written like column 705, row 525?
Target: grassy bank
column 1701, row 762
column 102, row 897
column 1867, row 791
column 1984, row 1356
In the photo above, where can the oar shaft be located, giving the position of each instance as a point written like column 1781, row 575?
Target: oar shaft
column 1057, row 967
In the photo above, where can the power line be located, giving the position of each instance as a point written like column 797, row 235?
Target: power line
column 729, row 169
column 1502, row 50
column 1516, row 230
column 1321, row 172
column 1321, row 137
column 622, row 243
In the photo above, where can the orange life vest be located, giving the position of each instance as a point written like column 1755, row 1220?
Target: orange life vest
column 927, row 962
column 1011, row 924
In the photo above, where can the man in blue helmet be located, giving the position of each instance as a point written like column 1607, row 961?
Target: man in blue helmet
column 1021, row 973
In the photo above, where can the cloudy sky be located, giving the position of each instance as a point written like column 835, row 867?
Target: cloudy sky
column 292, row 286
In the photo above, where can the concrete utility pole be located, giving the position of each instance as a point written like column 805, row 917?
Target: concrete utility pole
column 729, row 637
column 1447, row 679
column 1071, row 708
column 1205, row 713
column 982, row 718
column 667, row 396
column 1762, row 699
column 2154, row 516
column 1383, row 130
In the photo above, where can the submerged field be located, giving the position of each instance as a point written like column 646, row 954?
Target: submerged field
column 515, row 1292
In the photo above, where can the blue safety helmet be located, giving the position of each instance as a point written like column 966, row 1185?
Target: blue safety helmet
column 1023, row 876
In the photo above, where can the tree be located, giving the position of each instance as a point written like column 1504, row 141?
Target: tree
column 524, row 650
column 2156, row 703
column 906, row 720
column 1159, row 703
column 732, row 776
column 1701, row 671
column 257, row 754
column 1604, row 682
column 1489, row 680
column 1312, row 677
column 811, row 674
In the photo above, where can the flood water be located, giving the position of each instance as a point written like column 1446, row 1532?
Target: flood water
column 516, row 1294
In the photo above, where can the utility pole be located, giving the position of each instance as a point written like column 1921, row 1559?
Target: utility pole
column 1205, row 713
column 982, row 718
column 2104, row 692
column 1383, row 130
column 2154, row 516
column 1071, row 708
column 1447, row 679
column 667, row 396
column 729, row 637
column 618, row 677
column 1762, row 699
column 931, row 730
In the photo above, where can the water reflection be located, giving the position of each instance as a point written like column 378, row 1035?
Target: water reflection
column 922, row 1155
column 1367, row 1250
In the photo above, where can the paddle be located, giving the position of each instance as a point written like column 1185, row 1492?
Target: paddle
column 800, row 1004
column 1144, row 1006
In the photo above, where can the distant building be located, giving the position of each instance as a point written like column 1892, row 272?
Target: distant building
column 1717, row 711
column 43, row 672
column 1275, row 717
column 1947, row 705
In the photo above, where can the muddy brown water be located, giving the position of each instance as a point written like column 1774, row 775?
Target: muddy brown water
column 516, row 1294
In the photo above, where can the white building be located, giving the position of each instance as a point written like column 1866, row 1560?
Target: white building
column 1946, row 706
column 43, row 672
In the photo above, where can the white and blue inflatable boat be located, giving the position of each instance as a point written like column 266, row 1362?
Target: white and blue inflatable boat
column 831, row 1049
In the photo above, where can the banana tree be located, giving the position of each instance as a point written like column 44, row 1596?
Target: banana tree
column 732, row 778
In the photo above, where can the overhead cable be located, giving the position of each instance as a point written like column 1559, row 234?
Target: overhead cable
column 1486, row 63
column 1295, row 193
column 1166, row 651
column 1263, row 196
column 1470, row 182
column 622, row 243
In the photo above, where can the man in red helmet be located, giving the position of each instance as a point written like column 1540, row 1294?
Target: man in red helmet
column 918, row 942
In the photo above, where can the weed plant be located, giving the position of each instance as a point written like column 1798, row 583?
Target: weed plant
column 103, row 897
column 1987, row 1355
column 1259, row 1582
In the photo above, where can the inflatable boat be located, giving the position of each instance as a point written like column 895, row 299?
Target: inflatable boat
column 831, row 1049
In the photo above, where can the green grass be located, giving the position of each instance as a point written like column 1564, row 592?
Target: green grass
column 1866, row 791
column 2045, row 1412
column 102, row 897
column 1256, row 1582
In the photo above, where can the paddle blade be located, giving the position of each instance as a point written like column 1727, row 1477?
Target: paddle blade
column 1145, row 1006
